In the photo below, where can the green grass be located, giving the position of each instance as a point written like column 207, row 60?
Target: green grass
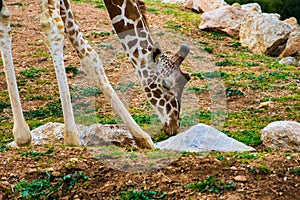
column 3, row 148
column 47, row 187
column 35, row 155
column 211, row 185
column 132, row 194
column 296, row 171
column 31, row 73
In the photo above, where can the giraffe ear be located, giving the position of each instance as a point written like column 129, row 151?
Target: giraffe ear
column 155, row 52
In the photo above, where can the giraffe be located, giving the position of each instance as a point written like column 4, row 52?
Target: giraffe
column 160, row 75
column 57, row 18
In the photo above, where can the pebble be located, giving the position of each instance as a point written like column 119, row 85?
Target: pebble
column 240, row 178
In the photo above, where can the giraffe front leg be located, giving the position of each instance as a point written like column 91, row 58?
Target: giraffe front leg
column 21, row 130
column 53, row 27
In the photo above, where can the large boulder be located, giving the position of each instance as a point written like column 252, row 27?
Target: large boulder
column 292, row 46
column 251, row 7
column 208, row 5
column 264, row 33
column 227, row 19
column 292, row 21
column 282, row 135
column 96, row 134
column 202, row 138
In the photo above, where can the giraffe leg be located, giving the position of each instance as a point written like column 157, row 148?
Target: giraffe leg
column 53, row 27
column 21, row 130
column 92, row 63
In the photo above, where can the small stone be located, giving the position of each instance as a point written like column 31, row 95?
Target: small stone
column 288, row 61
column 233, row 168
column 285, row 178
column 240, row 178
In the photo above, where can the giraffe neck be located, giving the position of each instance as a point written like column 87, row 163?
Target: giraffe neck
column 132, row 30
column 93, row 66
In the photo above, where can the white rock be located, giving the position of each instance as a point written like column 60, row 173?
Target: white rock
column 292, row 46
column 96, row 134
column 288, row 61
column 208, row 5
column 292, row 21
column 251, row 7
column 282, row 135
column 264, row 33
column 175, row 1
column 201, row 138
column 227, row 19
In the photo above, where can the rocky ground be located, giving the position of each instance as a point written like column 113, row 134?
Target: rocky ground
column 62, row 172
column 250, row 176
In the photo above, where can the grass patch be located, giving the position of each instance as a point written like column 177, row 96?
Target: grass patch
column 31, row 73
column 132, row 194
column 35, row 155
column 296, row 171
column 3, row 105
column 48, row 187
column 211, row 185
column 3, row 148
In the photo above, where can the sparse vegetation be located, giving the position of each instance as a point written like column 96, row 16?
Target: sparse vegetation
column 132, row 194
column 47, row 187
column 248, row 80
column 211, row 184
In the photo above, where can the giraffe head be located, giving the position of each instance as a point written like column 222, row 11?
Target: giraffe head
column 160, row 75
column 163, row 82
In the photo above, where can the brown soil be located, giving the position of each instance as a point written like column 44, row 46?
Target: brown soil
column 277, row 181
column 106, row 181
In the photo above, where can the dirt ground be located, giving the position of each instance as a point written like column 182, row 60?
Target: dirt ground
column 270, row 176
column 251, row 180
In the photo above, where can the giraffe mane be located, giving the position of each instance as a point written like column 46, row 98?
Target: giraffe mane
column 142, row 7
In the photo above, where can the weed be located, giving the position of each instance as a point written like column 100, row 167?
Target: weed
column 264, row 169
column 208, row 49
column 42, row 53
column 296, row 171
column 249, row 64
column 248, row 137
column 187, row 153
column 35, row 155
column 132, row 194
column 153, row 10
column 212, row 185
column 3, row 148
column 73, row 69
column 198, row 90
column 47, row 188
column 85, row 92
column 31, row 73
column 160, row 137
column 101, row 34
column 217, row 36
column 210, row 75
column 125, row 86
column 173, row 25
column 100, row 5
column 3, row 105
column 233, row 91
column 105, row 45
column 225, row 62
